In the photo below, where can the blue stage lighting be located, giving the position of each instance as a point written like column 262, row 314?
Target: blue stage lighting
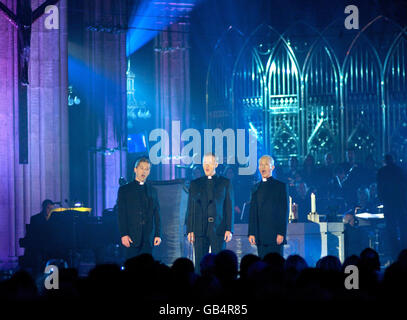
column 253, row 129
column 152, row 17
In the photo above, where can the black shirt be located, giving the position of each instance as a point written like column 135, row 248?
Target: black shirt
column 210, row 193
column 263, row 189
column 141, row 194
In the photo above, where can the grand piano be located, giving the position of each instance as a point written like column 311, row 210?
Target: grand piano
column 68, row 234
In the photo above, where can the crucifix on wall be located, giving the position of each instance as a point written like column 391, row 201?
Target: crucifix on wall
column 22, row 21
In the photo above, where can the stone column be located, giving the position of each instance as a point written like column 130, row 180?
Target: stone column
column 25, row 186
column 105, row 55
column 172, row 84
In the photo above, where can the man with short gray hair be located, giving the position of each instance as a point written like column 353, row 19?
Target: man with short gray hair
column 209, row 218
column 268, row 211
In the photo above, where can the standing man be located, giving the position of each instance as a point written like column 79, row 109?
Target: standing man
column 268, row 211
column 392, row 190
column 209, row 218
column 139, row 212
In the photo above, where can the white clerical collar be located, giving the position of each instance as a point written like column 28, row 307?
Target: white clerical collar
column 210, row 177
column 264, row 179
column 140, row 182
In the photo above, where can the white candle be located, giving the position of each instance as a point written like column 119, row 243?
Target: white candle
column 313, row 203
column 291, row 206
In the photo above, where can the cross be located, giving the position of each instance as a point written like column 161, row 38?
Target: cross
column 23, row 21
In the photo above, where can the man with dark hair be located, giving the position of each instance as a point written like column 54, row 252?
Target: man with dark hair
column 392, row 190
column 37, row 239
column 268, row 211
column 209, row 218
column 139, row 212
column 46, row 210
column 47, row 206
column 140, row 160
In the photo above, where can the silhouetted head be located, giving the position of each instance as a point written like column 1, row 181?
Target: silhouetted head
column 275, row 260
column 295, row 262
column 143, row 263
column 183, row 266
column 369, row 260
column 352, row 260
column 246, row 262
column 329, row 263
column 21, row 287
column 226, row 266
column 183, row 275
column 395, row 282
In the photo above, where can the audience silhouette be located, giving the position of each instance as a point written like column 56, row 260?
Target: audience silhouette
column 143, row 280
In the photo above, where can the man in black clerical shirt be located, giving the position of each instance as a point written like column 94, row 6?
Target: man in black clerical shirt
column 268, row 211
column 139, row 213
column 209, row 218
